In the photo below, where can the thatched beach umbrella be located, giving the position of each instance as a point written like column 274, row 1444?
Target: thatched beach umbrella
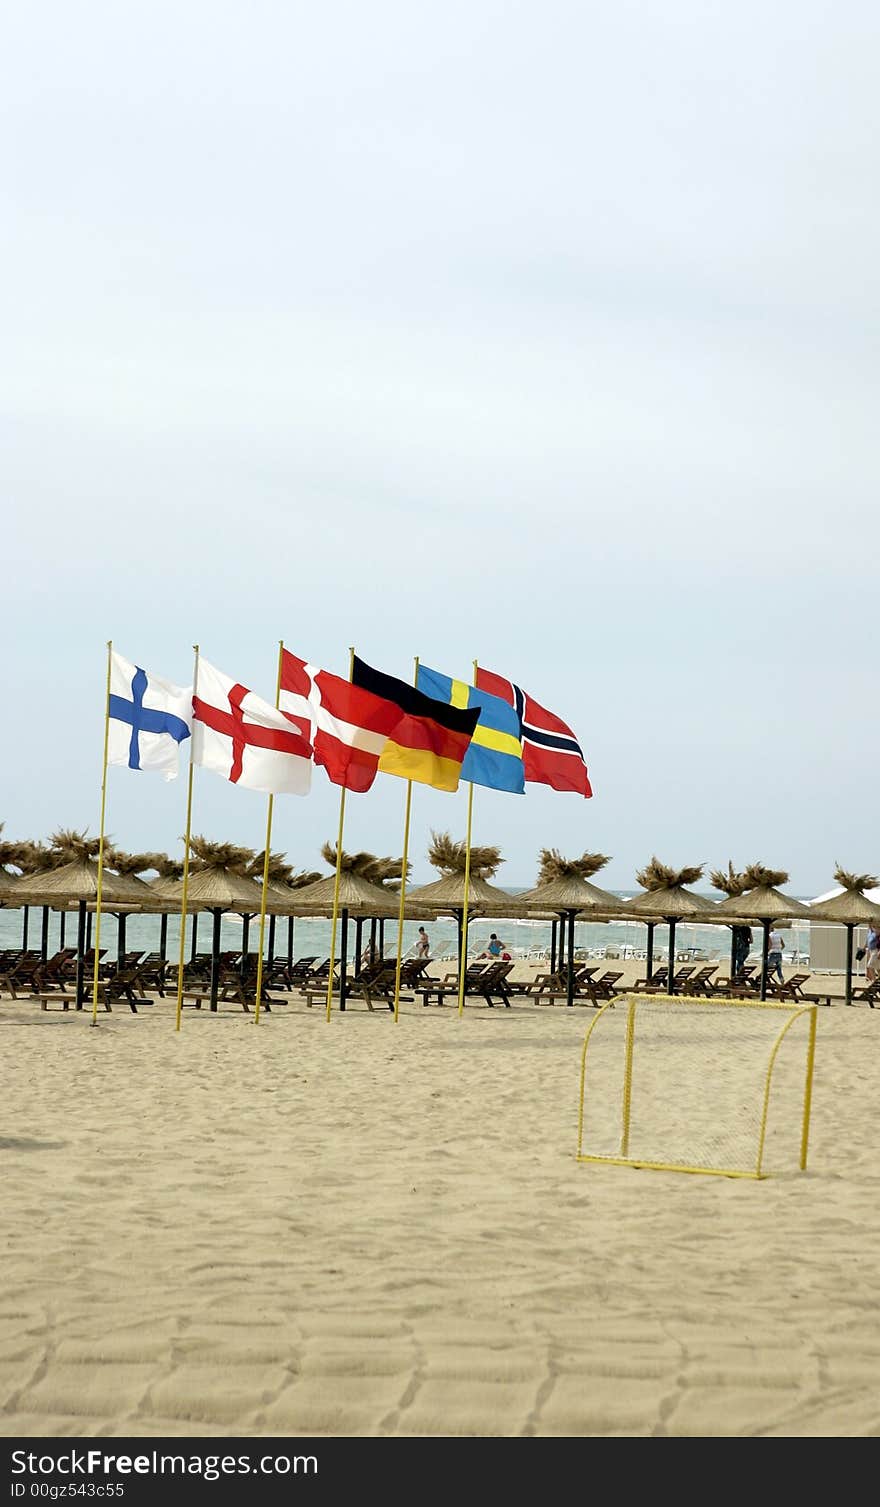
column 730, row 883
column 388, row 874
column 667, row 899
column 75, row 881
column 763, row 901
column 358, row 895
column 127, row 865
column 218, row 882
column 447, row 895
column 10, row 852
column 32, row 858
column 279, row 898
column 295, row 883
column 851, row 908
column 563, row 886
column 167, row 887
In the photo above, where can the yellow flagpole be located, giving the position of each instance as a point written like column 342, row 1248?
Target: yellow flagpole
column 266, row 859
column 462, row 962
column 409, row 786
column 185, row 889
column 463, row 959
column 101, row 840
column 335, row 921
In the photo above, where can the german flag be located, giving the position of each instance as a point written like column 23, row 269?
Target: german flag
column 427, row 740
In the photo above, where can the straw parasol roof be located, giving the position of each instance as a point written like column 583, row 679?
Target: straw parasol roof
column 665, row 897
column 279, row 896
column 218, row 877
column 448, row 893
column 76, row 878
column 851, row 907
column 563, row 884
column 10, row 852
column 29, row 857
column 762, row 900
column 356, row 893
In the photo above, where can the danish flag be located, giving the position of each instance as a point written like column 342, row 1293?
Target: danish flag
column 347, row 727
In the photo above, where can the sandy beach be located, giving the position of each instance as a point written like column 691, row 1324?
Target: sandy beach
column 363, row 1229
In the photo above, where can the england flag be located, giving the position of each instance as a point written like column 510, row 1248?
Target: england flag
column 245, row 739
column 149, row 718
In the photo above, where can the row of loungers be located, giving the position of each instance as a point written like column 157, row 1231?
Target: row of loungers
column 26, row 975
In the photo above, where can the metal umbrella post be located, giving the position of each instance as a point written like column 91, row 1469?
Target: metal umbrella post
column 215, row 958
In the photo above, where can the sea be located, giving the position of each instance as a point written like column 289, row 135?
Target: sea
column 310, row 937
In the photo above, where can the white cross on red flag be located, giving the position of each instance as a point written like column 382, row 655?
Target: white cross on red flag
column 245, row 739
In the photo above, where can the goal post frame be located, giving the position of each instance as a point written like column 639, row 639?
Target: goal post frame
column 792, row 1012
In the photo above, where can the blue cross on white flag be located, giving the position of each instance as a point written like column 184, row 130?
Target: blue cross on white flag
column 149, row 718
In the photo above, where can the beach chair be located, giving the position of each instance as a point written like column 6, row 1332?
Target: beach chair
column 700, row 982
column 21, row 978
column 236, row 991
column 54, row 973
column 793, row 991
column 598, row 991
column 656, row 984
column 554, row 983
column 474, row 980
column 492, row 984
column 154, row 972
column 868, row 995
column 375, row 981
column 288, row 975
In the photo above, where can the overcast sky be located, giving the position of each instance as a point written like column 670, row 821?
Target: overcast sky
column 542, row 333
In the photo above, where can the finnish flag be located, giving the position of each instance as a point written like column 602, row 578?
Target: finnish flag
column 149, row 718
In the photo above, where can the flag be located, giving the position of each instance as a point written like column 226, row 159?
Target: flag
column 347, row 727
column 428, row 741
column 551, row 752
column 149, row 718
column 495, row 757
column 244, row 739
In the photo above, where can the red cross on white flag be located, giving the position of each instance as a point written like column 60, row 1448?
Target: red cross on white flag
column 244, row 739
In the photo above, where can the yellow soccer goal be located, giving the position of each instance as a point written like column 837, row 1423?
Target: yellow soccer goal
column 684, row 1085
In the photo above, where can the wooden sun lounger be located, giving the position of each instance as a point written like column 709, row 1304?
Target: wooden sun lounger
column 588, row 991
column 236, row 993
column 554, row 983
column 487, row 980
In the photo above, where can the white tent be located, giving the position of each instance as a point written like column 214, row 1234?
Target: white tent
column 827, row 941
column 872, row 895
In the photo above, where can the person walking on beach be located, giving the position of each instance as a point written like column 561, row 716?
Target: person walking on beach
column 423, row 944
column 872, row 952
column 742, row 946
column 774, row 956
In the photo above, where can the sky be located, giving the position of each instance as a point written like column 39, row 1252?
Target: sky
column 541, row 334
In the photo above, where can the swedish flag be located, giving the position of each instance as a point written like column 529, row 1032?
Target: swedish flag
column 495, row 756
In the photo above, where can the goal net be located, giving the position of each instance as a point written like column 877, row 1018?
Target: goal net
column 697, row 1085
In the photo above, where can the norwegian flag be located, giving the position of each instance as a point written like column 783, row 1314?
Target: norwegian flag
column 551, row 752
column 347, row 727
column 245, row 739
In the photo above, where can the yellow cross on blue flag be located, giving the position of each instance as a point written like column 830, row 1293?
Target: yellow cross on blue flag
column 495, row 756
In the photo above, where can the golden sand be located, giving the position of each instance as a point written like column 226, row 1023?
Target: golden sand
column 362, row 1228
